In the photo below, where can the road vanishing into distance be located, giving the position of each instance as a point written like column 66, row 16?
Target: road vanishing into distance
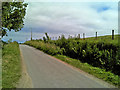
column 48, row 72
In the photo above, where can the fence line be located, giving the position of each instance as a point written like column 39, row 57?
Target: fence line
column 70, row 37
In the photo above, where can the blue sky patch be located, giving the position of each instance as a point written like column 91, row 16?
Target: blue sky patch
column 104, row 8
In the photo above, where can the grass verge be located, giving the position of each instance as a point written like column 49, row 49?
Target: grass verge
column 11, row 65
column 97, row 72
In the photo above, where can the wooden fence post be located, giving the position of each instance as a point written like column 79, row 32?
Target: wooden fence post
column 83, row 36
column 96, row 35
column 112, row 34
column 79, row 36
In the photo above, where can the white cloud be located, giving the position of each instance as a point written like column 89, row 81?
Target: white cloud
column 71, row 0
column 71, row 18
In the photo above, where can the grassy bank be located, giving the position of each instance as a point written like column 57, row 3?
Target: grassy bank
column 102, row 52
column 11, row 65
column 58, row 52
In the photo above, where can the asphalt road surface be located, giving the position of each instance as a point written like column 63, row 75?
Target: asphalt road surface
column 48, row 72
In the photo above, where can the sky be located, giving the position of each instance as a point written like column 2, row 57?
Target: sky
column 68, row 18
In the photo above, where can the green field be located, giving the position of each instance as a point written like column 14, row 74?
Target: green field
column 11, row 65
column 99, row 57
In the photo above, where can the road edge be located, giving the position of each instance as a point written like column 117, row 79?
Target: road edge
column 85, row 73
column 25, row 81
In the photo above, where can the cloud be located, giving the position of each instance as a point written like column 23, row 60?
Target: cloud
column 58, row 18
column 72, row 17
column 72, row 1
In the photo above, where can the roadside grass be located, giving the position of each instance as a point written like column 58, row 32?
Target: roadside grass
column 0, row 65
column 95, row 71
column 11, row 65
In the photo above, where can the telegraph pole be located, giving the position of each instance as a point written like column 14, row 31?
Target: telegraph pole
column 31, row 34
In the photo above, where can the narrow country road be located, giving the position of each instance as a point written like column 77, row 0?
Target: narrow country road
column 48, row 72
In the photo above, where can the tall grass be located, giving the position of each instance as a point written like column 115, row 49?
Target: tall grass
column 11, row 65
column 46, row 47
column 102, row 52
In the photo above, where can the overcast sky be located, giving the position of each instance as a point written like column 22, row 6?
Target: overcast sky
column 68, row 18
